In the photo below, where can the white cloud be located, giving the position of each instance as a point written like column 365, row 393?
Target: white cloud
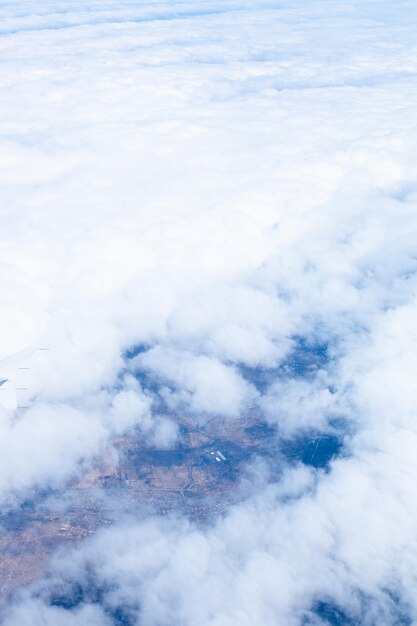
column 298, row 405
column 199, row 383
column 212, row 181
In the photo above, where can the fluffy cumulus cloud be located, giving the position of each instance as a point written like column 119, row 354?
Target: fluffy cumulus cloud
column 205, row 385
column 195, row 197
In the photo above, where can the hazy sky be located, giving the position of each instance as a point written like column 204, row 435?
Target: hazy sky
column 218, row 183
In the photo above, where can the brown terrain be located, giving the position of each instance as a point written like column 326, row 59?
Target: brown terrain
column 198, row 477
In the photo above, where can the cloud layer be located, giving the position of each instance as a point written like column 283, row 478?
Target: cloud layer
column 194, row 196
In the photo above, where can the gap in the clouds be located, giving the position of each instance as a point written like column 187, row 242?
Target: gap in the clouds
column 90, row 592
column 150, row 383
column 304, row 361
column 306, row 358
column 72, row 596
column 261, row 378
column 121, row 617
column 316, row 450
column 332, row 615
column 399, row 609
column 388, row 610
column 135, row 350
column 19, row 515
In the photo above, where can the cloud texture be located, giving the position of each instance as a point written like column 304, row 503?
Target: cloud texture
column 194, row 195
